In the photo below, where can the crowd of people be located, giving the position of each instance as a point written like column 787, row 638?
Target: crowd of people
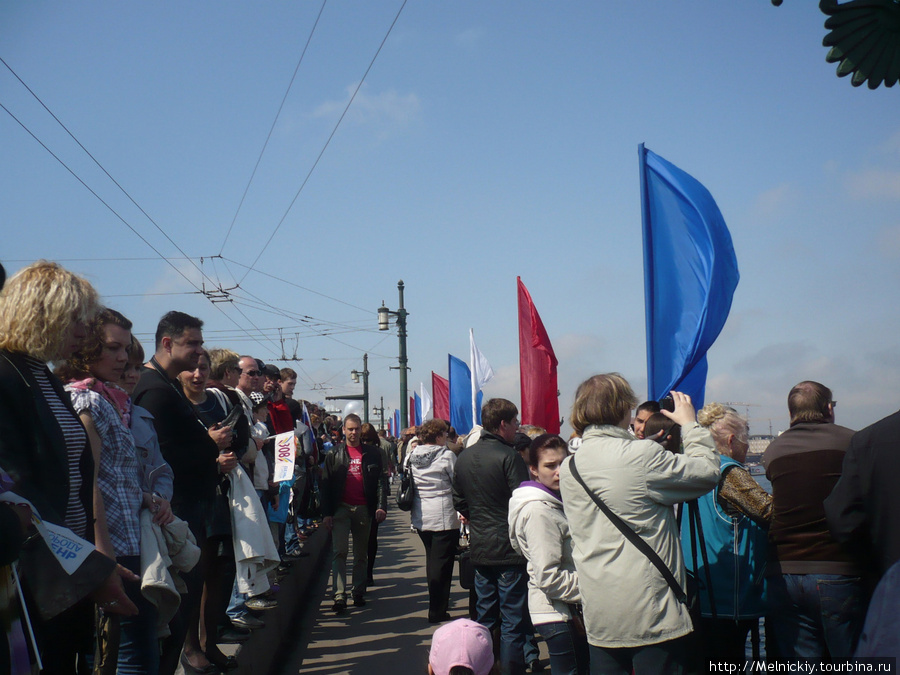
column 154, row 500
column 158, row 474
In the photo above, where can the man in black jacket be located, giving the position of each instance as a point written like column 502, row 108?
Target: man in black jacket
column 353, row 492
column 193, row 453
column 863, row 510
column 486, row 475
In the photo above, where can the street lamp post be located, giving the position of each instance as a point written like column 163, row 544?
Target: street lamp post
column 355, row 375
column 381, row 411
column 384, row 320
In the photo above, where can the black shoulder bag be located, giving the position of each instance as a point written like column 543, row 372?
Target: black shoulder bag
column 407, row 491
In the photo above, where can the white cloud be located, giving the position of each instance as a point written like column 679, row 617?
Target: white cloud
column 874, row 184
column 387, row 107
column 773, row 204
column 470, row 37
column 170, row 281
column 889, row 241
column 866, row 385
column 893, row 144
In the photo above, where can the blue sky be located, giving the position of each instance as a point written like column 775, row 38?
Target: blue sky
column 488, row 140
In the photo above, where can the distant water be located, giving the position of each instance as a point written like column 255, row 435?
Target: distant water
column 764, row 482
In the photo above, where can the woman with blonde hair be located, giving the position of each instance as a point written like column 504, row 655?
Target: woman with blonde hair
column 635, row 621
column 730, row 565
column 44, row 313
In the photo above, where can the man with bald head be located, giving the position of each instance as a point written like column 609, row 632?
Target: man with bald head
column 815, row 588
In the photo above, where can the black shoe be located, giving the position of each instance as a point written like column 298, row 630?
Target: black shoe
column 359, row 601
column 339, row 607
column 439, row 618
column 211, row 669
column 248, row 622
column 222, row 662
column 233, row 636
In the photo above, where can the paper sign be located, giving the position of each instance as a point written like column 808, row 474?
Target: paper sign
column 285, row 451
column 70, row 549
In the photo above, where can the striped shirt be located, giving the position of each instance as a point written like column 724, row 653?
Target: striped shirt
column 76, row 442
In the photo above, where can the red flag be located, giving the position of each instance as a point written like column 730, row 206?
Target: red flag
column 537, row 367
column 412, row 411
column 441, row 390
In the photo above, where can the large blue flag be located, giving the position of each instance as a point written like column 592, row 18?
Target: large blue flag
column 460, row 395
column 690, row 273
column 418, row 400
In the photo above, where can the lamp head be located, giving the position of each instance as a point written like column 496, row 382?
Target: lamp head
column 384, row 318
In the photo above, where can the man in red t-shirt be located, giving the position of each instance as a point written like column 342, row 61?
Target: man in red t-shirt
column 353, row 492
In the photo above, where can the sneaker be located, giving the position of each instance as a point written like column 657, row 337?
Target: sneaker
column 259, row 602
column 359, row 601
column 339, row 607
column 248, row 621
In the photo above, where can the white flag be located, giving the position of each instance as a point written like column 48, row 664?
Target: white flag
column 481, row 369
column 427, row 406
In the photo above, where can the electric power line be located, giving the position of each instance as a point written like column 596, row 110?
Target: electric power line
column 99, row 198
column 272, row 128
column 327, row 143
column 103, row 169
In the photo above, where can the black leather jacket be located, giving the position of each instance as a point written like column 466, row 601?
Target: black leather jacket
column 334, row 479
column 483, row 481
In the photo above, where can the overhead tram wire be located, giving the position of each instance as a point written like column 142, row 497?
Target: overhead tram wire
column 108, row 175
column 272, row 128
column 305, row 318
column 250, row 268
column 99, row 198
column 327, row 143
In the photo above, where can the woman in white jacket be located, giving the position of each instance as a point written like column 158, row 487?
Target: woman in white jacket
column 433, row 515
column 635, row 622
column 539, row 531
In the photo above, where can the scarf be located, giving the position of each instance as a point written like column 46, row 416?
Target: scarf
column 117, row 397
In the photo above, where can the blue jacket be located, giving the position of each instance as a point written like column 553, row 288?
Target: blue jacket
column 736, row 549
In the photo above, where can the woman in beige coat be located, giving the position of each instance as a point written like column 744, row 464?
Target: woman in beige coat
column 633, row 619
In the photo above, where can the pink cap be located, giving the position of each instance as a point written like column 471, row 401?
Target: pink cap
column 461, row 643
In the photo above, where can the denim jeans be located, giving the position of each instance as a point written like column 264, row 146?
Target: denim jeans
column 569, row 653
column 138, row 644
column 663, row 658
column 815, row 614
column 502, row 591
column 236, row 607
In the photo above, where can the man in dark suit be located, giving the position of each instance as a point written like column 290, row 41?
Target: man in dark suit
column 863, row 510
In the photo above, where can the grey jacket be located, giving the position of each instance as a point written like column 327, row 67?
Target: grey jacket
column 627, row 602
column 432, row 471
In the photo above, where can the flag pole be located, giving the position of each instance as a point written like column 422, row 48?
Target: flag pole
column 648, row 270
